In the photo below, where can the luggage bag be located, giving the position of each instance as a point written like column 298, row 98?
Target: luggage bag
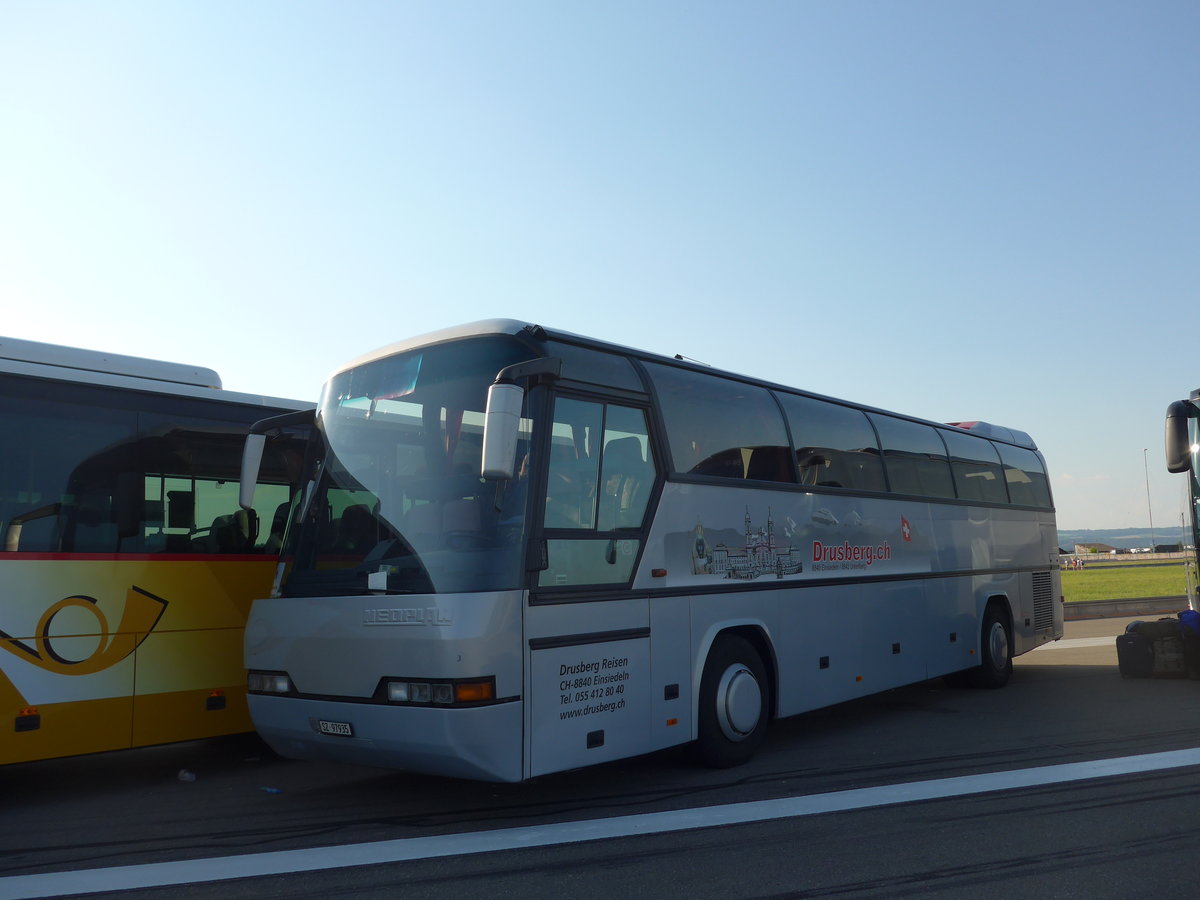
column 1168, row 656
column 1191, row 655
column 1135, row 655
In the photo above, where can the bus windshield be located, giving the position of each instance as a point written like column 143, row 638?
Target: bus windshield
column 396, row 501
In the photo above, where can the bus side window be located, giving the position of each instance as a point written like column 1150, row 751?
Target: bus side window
column 770, row 464
column 573, row 464
column 835, row 444
column 55, row 473
column 94, row 525
column 601, row 472
column 1026, row 477
column 627, row 469
column 716, row 425
column 976, row 465
column 915, row 457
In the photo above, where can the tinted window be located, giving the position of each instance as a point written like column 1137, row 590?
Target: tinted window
column 915, row 458
column 91, row 470
column 626, row 469
column 722, row 428
column 601, row 470
column 396, row 487
column 976, row 467
column 47, row 441
column 835, row 445
column 1026, row 477
column 594, row 366
column 574, row 468
column 599, row 478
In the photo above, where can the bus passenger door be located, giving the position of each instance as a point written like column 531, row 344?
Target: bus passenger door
column 588, row 635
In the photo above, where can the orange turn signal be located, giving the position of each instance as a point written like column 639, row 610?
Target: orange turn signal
column 473, row 691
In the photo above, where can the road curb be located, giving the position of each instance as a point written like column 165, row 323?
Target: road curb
column 1115, row 609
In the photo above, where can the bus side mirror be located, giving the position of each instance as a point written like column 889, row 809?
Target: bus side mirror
column 502, row 418
column 501, row 423
column 252, row 454
column 1175, row 438
column 256, row 443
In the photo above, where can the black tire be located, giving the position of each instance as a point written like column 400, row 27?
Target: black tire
column 734, row 705
column 995, row 651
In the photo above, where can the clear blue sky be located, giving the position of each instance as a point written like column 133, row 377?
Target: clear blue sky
column 959, row 210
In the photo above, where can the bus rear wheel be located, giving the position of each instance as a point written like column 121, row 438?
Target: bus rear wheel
column 733, row 703
column 995, row 648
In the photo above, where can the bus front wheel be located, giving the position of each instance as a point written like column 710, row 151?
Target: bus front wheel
column 733, row 703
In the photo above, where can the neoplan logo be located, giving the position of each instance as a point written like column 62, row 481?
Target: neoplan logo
column 429, row 615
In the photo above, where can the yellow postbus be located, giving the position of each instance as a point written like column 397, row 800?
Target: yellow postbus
column 128, row 566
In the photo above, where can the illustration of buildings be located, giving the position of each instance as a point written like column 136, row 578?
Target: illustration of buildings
column 759, row 556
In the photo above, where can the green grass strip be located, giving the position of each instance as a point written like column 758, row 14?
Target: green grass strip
column 1124, row 582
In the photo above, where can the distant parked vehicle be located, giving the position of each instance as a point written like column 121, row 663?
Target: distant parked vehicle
column 1182, row 445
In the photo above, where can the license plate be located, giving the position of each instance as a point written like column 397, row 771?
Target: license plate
column 343, row 729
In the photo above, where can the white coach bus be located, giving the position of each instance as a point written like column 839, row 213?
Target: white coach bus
column 521, row 551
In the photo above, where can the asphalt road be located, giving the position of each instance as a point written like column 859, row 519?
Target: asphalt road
column 1070, row 782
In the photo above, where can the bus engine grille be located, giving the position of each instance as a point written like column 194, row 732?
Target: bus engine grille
column 1043, row 601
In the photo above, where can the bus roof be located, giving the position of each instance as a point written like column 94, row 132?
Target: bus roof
column 454, row 333
column 997, row 433
column 516, row 327
column 54, row 362
column 107, row 363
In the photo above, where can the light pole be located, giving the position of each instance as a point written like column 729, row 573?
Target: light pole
column 1149, row 508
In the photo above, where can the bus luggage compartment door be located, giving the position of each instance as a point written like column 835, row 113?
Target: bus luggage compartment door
column 590, row 701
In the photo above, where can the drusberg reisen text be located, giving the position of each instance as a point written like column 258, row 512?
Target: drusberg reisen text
column 847, row 552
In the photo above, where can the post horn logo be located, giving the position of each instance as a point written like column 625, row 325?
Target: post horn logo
column 140, row 616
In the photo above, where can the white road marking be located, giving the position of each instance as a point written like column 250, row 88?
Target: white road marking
column 1073, row 643
column 287, row 862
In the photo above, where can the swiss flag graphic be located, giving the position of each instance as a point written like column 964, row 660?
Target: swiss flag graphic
column 905, row 529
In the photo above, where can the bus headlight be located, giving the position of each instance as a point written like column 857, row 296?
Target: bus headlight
column 410, row 691
column 397, row 691
column 269, row 683
column 441, row 693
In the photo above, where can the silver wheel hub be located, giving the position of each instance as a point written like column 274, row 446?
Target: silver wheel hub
column 998, row 645
column 739, row 702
